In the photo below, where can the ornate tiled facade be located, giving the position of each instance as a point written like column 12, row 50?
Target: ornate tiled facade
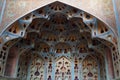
column 59, row 40
column 101, row 8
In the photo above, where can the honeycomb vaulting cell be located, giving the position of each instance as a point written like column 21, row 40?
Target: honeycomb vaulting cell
column 57, row 42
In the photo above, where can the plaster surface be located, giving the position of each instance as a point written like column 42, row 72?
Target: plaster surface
column 102, row 9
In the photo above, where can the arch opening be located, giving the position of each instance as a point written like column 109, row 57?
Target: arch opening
column 59, row 31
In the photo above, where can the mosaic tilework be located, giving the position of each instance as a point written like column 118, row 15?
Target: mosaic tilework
column 118, row 10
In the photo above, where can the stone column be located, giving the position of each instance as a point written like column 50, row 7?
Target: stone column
column 11, row 63
column 110, row 67
column 98, row 62
column 72, row 70
column 116, row 5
